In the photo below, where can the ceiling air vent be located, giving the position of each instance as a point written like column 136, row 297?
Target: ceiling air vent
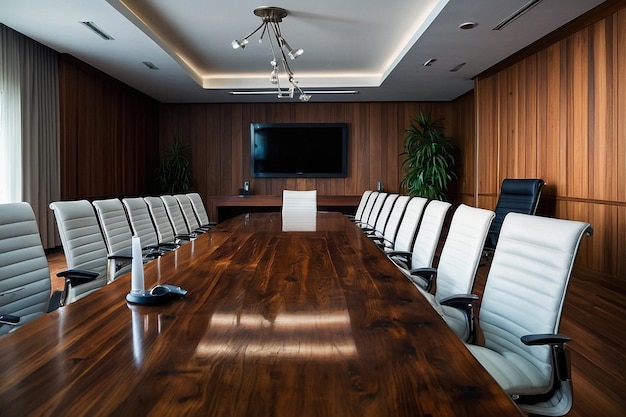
column 95, row 29
column 518, row 13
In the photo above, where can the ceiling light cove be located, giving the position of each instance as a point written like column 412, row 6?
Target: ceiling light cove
column 305, row 48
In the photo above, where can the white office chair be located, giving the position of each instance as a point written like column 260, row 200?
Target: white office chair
column 299, row 202
column 388, row 235
column 521, row 310
column 383, row 217
column 370, row 221
column 142, row 226
column 177, row 219
column 84, row 249
column 361, row 207
column 117, row 232
column 456, row 270
column 24, row 273
column 162, row 223
column 426, row 240
column 188, row 214
column 200, row 210
column 407, row 227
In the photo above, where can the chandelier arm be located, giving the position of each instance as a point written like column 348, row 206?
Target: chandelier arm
column 254, row 31
column 276, row 30
column 263, row 32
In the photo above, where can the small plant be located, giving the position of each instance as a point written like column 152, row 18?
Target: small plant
column 174, row 172
column 429, row 159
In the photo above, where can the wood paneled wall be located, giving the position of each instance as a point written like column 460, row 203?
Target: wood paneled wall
column 559, row 114
column 109, row 134
column 219, row 135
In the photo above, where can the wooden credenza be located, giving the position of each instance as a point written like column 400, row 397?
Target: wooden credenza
column 224, row 207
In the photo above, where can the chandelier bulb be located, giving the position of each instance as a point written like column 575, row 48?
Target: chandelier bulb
column 294, row 54
column 236, row 44
column 274, row 77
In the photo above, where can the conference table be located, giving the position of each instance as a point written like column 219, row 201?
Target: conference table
column 283, row 317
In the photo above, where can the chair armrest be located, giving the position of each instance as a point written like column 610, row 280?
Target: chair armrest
column 545, row 339
column 557, row 342
column 406, row 255
column 465, row 303
column 168, row 245
column 459, row 299
column 121, row 255
column 9, row 319
column 381, row 242
column 78, row 276
column 427, row 274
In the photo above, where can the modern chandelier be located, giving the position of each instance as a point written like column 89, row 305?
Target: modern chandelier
column 271, row 18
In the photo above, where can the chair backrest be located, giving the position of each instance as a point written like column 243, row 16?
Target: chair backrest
column 385, row 212
column 175, row 214
column 161, row 220
column 368, row 208
column 462, row 250
column 112, row 217
column 80, row 234
column 526, row 286
column 362, row 203
column 83, row 246
column 140, row 221
column 376, row 208
column 409, row 223
column 516, row 196
column 24, row 273
column 299, row 202
column 199, row 208
column 395, row 217
column 428, row 234
column 187, row 209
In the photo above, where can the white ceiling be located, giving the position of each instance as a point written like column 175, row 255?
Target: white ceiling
column 375, row 47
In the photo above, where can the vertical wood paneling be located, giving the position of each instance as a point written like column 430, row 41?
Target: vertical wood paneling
column 559, row 114
column 601, row 167
column 109, row 140
column 488, row 123
column 219, row 135
column 579, row 111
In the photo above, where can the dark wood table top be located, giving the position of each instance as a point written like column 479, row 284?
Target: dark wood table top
column 275, row 324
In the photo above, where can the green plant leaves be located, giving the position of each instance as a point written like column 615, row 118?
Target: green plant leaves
column 174, row 172
column 428, row 159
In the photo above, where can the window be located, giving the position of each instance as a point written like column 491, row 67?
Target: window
column 10, row 149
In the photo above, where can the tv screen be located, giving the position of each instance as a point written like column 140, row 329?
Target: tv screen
column 298, row 149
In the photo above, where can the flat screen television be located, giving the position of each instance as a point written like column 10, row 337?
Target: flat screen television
column 308, row 150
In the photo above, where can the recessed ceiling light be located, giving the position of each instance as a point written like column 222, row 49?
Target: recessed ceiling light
column 95, row 29
column 150, row 65
column 519, row 12
column 468, row 25
column 458, row 67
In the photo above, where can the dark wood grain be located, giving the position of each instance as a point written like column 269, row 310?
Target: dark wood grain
column 275, row 324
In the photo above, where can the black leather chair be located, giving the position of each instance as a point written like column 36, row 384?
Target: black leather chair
column 516, row 196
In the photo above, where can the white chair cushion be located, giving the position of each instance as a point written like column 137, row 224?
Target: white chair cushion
column 515, row 374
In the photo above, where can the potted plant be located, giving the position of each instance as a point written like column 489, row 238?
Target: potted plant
column 174, row 173
column 429, row 159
